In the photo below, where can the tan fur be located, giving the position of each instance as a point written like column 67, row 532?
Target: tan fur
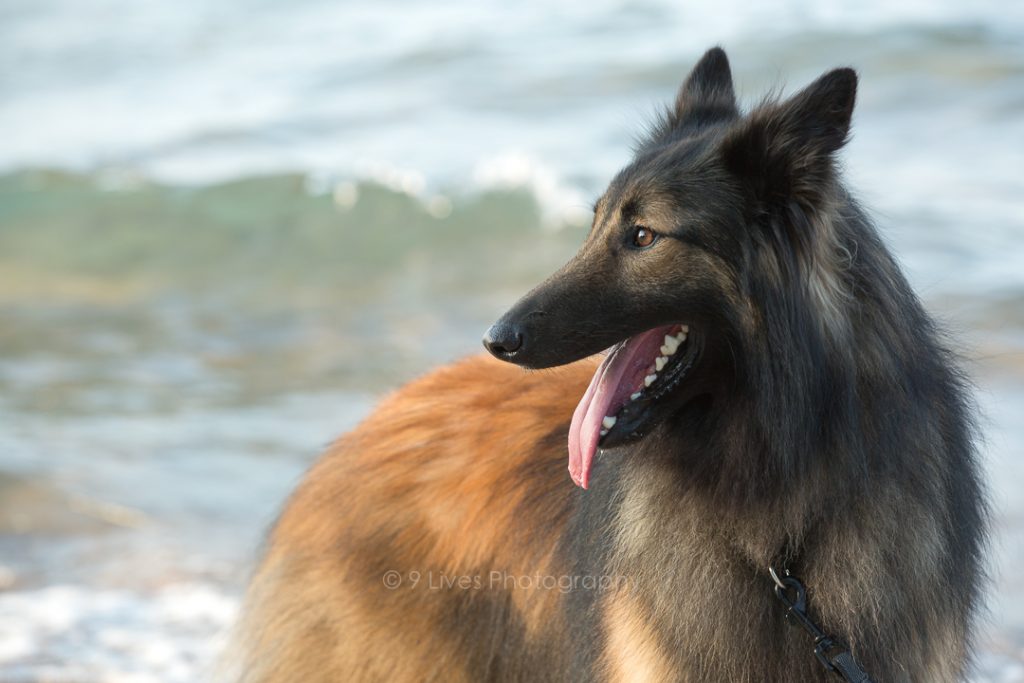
column 632, row 652
column 450, row 478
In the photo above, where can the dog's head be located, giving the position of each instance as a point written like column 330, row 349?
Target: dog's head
column 715, row 210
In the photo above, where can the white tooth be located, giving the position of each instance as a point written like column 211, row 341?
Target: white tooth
column 672, row 343
column 659, row 363
column 634, row 396
column 665, row 351
column 603, row 432
column 649, row 380
column 681, row 336
column 685, row 329
column 608, row 422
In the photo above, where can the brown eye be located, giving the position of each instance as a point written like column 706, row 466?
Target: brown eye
column 643, row 237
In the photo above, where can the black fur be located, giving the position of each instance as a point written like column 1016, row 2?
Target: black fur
column 825, row 427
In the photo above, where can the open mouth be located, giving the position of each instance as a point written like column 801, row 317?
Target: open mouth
column 619, row 405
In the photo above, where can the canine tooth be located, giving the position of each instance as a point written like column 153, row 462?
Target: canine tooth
column 649, row 379
column 634, row 396
column 672, row 343
column 659, row 363
column 608, row 422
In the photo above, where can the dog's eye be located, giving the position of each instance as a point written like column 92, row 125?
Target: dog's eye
column 643, row 237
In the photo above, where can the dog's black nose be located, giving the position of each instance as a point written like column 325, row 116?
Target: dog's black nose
column 503, row 340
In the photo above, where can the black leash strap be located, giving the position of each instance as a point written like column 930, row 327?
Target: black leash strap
column 831, row 654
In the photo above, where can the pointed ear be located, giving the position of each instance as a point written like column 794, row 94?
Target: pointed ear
column 707, row 94
column 785, row 150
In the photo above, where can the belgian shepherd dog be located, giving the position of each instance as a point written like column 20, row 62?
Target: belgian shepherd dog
column 773, row 395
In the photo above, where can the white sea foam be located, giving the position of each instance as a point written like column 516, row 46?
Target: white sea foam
column 561, row 204
column 78, row 633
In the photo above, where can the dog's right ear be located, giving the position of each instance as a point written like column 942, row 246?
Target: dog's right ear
column 707, row 95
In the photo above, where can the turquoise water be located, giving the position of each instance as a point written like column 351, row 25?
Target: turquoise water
column 227, row 228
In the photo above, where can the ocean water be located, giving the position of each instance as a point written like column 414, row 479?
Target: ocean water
column 226, row 229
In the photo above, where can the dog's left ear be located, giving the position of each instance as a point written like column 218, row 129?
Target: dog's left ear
column 707, row 94
column 785, row 151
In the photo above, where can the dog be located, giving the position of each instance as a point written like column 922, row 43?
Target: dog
column 773, row 395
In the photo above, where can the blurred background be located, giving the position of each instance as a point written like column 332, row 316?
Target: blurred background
column 226, row 228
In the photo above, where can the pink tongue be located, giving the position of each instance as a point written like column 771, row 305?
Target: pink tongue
column 619, row 375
